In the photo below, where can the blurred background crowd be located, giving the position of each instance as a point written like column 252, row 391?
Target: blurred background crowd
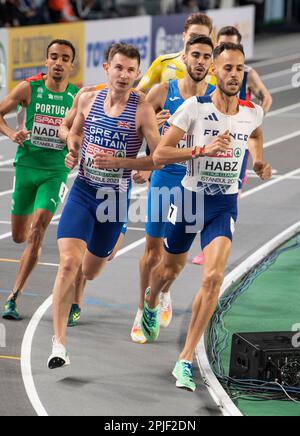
column 14, row 13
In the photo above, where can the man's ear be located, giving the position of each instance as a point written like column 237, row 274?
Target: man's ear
column 139, row 74
column 213, row 68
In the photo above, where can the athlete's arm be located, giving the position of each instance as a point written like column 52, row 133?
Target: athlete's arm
column 152, row 77
column 167, row 152
column 75, row 136
column 157, row 98
column 256, row 147
column 260, row 91
column 21, row 95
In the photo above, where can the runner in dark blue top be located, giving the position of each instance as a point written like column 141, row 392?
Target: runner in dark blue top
column 166, row 99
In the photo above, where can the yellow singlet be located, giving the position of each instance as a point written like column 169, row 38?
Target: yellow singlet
column 166, row 68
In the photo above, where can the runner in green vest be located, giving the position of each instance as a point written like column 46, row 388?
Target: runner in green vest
column 43, row 102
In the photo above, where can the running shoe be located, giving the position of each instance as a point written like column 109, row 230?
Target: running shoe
column 137, row 335
column 74, row 316
column 165, row 310
column 11, row 311
column 199, row 260
column 150, row 321
column 183, row 372
column 59, row 356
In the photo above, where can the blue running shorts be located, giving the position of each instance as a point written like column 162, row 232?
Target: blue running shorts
column 216, row 217
column 84, row 218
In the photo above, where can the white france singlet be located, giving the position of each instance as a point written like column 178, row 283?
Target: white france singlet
column 201, row 120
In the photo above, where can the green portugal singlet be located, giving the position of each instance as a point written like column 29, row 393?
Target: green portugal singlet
column 40, row 171
column 43, row 117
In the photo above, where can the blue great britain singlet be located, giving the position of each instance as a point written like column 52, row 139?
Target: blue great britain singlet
column 173, row 101
column 117, row 137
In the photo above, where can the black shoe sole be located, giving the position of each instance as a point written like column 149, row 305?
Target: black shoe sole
column 56, row 363
column 10, row 318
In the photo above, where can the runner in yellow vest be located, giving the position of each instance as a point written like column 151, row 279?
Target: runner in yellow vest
column 171, row 66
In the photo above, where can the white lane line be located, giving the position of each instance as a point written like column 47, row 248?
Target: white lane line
column 3, row 193
column 212, row 383
column 270, row 183
column 26, row 358
column 26, row 348
column 5, row 236
column 33, row 325
column 281, row 89
column 283, row 110
column 282, row 139
column 277, row 60
column 277, row 74
column 6, row 162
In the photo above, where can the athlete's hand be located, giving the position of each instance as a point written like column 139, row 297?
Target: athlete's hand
column 162, row 117
column 20, row 137
column 263, row 170
column 105, row 161
column 72, row 158
column 141, row 177
column 220, row 144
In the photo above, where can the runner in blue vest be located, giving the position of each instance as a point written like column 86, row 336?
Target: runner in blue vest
column 166, row 98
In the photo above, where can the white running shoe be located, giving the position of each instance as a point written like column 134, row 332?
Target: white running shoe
column 59, row 356
column 137, row 335
column 165, row 310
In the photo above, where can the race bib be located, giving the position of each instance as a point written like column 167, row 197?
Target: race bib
column 173, row 212
column 216, row 174
column 45, row 132
column 102, row 176
column 63, row 192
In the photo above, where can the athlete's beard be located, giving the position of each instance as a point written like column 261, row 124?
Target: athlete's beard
column 58, row 79
column 196, row 79
column 221, row 85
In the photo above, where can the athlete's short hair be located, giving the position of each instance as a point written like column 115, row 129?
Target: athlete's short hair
column 62, row 42
column 125, row 49
column 227, row 46
column 200, row 20
column 199, row 39
column 230, row 31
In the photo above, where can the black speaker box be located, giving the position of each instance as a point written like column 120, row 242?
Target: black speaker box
column 270, row 357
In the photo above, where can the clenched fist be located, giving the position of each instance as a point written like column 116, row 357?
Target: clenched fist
column 72, row 159
column 263, row 170
column 20, row 137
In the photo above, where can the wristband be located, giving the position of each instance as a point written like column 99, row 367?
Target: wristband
column 198, row 152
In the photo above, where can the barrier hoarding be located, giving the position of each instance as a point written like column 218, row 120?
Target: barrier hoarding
column 3, row 63
column 99, row 35
column 167, row 30
column 243, row 18
column 27, row 47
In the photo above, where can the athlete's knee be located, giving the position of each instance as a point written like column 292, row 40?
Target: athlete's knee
column 212, row 282
column 19, row 238
column 69, row 265
column 169, row 271
column 90, row 275
column 153, row 255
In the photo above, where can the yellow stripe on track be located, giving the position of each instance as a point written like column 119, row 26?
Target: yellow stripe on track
column 18, row 261
column 10, row 358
